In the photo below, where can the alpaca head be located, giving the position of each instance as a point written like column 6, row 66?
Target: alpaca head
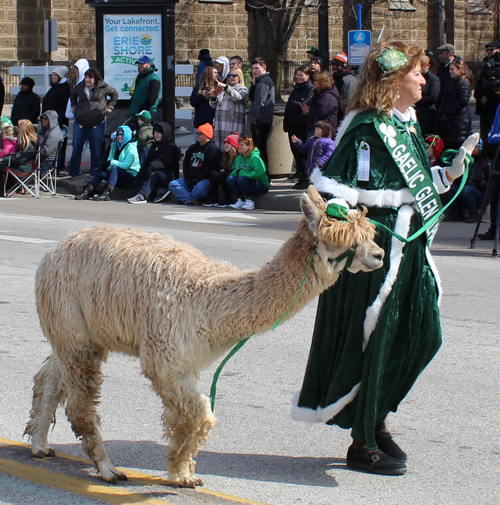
column 336, row 236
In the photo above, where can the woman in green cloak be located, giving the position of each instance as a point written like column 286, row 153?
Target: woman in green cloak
column 375, row 332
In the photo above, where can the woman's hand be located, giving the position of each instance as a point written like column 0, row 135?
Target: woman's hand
column 219, row 88
column 305, row 108
column 294, row 138
column 457, row 167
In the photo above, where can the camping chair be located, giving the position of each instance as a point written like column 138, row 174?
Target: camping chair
column 27, row 182
column 47, row 175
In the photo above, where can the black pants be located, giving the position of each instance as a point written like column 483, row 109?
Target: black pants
column 260, row 132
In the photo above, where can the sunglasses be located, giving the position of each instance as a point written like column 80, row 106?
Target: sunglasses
column 119, row 134
column 232, row 75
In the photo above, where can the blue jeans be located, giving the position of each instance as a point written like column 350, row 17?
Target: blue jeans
column 158, row 179
column 243, row 186
column 116, row 176
column 95, row 136
column 185, row 194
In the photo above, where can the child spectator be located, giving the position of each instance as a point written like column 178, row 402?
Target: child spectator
column 9, row 142
column 249, row 177
column 218, row 178
column 435, row 147
column 319, row 148
column 144, row 134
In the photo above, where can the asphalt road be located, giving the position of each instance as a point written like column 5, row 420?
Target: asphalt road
column 449, row 423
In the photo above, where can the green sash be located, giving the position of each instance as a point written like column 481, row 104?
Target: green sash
column 417, row 178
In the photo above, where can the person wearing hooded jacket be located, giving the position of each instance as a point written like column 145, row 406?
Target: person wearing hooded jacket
column 56, row 99
column 49, row 135
column 199, row 161
column 90, row 101
column 120, row 169
column 26, row 104
column 79, row 69
column 160, row 167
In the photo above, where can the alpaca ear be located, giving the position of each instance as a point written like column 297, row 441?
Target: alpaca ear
column 311, row 211
column 316, row 198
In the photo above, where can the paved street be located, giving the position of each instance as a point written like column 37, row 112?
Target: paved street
column 449, row 423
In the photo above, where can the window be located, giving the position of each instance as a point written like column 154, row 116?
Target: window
column 401, row 5
column 478, row 7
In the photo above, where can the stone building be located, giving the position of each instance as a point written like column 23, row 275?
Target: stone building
column 227, row 28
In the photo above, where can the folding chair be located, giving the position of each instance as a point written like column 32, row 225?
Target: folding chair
column 27, row 181
column 47, row 175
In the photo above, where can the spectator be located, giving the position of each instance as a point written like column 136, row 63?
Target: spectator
column 345, row 82
column 487, row 94
column 145, row 91
column 27, row 140
column 324, row 104
column 294, row 121
column 9, row 143
column 218, row 178
column 49, row 135
column 160, row 167
column 237, row 62
column 446, row 54
column 261, row 110
column 248, row 178
column 229, row 101
column 312, row 52
column 435, row 147
column 91, row 99
column 200, row 97
column 2, row 95
column 315, row 67
column 205, row 61
column 79, row 69
column 318, row 148
column 56, row 99
column 454, row 119
column 144, row 134
column 26, row 104
column 426, row 106
column 199, row 161
column 222, row 66
column 119, row 170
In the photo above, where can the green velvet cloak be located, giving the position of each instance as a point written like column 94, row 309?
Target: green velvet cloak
column 375, row 332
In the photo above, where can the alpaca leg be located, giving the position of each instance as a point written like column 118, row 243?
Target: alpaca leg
column 47, row 394
column 82, row 379
column 187, row 421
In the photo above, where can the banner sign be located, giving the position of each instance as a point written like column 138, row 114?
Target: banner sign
column 126, row 38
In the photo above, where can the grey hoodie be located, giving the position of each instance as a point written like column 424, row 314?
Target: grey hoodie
column 49, row 139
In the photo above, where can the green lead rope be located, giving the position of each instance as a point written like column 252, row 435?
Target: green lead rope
column 241, row 343
column 447, row 157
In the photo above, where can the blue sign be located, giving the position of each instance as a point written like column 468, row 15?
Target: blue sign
column 360, row 44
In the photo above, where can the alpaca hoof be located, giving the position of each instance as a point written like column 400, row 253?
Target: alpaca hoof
column 189, row 482
column 121, row 476
column 197, row 481
column 44, row 453
column 51, row 453
column 39, row 455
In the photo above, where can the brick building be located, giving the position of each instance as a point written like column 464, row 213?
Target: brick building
column 227, row 28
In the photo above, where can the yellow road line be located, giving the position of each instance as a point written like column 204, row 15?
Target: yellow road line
column 141, row 478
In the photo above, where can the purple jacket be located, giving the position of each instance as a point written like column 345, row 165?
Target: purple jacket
column 318, row 151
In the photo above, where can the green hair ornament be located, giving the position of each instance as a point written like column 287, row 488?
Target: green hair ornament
column 337, row 211
column 389, row 60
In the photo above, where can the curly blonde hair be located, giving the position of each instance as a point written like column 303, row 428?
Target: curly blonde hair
column 376, row 91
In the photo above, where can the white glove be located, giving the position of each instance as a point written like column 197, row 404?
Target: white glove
column 457, row 167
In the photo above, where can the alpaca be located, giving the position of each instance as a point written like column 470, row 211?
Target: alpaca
column 108, row 289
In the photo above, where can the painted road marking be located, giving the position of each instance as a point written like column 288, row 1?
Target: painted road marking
column 207, row 218
column 29, row 240
column 109, row 493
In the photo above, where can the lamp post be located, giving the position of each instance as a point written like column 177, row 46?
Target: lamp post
column 323, row 36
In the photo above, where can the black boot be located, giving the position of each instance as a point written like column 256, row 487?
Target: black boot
column 105, row 195
column 86, row 193
column 386, row 443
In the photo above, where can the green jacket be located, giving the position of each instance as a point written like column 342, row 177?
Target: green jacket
column 128, row 158
column 252, row 168
column 144, row 137
column 142, row 98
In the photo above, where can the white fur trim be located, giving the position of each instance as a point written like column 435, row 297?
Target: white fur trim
column 440, row 180
column 355, row 196
column 321, row 415
column 435, row 271
column 344, row 125
column 402, row 228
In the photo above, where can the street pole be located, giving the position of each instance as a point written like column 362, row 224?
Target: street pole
column 323, row 35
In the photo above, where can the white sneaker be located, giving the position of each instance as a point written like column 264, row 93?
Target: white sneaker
column 139, row 198
column 161, row 195
column 239, row 204
column 248, row 205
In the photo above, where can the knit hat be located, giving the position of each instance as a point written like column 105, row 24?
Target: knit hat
column 5, row 121
column 62, row 72
column 232, row 139
column 145, row 115
column 437, row 143
column 313, row 51
column 28, row 81
column 318, row 60
column 207, row 129
column 340, row 58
